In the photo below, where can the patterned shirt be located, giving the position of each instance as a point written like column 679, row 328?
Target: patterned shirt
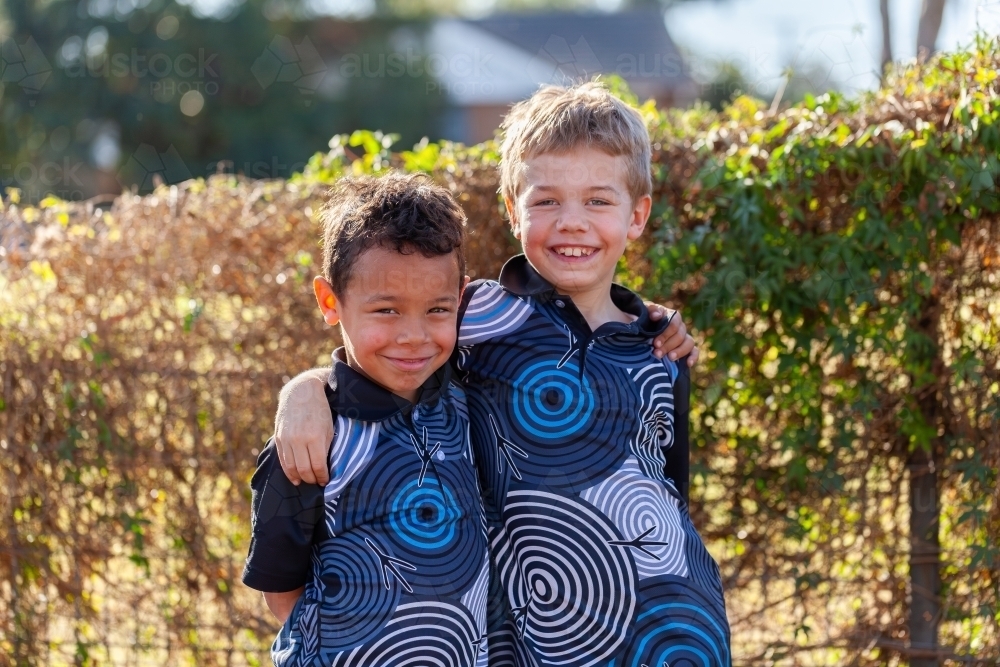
column 595, row 559
column 392, row 552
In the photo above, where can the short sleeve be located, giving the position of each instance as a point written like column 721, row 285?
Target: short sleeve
column 285, row 519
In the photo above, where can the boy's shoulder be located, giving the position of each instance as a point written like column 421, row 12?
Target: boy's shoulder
column 492, row 308
column 488, row 310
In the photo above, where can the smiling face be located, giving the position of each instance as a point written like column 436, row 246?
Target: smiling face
column 398, row 315
column 574, row 216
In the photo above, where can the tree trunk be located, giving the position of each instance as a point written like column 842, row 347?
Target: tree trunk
column 883, row 6
column 925, row 554
column 925, row 505
column 930, row 25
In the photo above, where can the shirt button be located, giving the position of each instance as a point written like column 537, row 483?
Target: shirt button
column 560, row 303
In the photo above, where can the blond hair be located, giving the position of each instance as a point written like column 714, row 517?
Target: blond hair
column 557, row 119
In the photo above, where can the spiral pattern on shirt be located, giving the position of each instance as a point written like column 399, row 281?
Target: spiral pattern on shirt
column 354, row 603
column 570, row 592
column 648, row 517
column 420, row 517
column 677, row 625
column 428, row 633
column 570, row 424
column 441, row 423
column 507, row 649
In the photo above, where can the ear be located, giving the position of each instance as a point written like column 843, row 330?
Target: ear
column 327, row 300
column 512, row 214
column 640, row 214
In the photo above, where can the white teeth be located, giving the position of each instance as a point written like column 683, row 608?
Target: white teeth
column 575, row 252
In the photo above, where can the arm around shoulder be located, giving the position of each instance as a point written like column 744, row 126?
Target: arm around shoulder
column 303, row 427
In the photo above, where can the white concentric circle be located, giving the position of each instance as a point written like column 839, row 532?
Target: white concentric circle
column 571, row 591
column 641, row 507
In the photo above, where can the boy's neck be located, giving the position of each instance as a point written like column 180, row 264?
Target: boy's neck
column 597, row 307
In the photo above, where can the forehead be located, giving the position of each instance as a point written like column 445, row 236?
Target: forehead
column 581, row 168
column 385, row 272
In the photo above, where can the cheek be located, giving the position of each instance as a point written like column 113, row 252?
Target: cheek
column 612, row 230
column 533, row 231
column 371, row 336
column 445, row 335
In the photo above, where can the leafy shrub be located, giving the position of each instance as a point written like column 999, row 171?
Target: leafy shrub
column 839, row 260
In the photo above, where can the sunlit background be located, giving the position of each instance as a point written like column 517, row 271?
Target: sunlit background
column 100, row 95
column 162, row 163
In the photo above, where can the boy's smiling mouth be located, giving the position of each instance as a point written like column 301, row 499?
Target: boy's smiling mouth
column 573, row 250
column 409, row 364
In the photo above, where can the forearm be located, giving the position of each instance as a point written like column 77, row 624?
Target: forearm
column 307, row 379
column 281, row 604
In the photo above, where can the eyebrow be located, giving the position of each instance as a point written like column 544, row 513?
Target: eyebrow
column 379, row 298
column 596, row 188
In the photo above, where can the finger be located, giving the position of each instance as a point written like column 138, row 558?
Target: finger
column 677, row 325
column 672, row 343
column 304, row 465
column 671, row 335
column 287, row 459
column 693, row 357
column 317, row 458
column 683, row 349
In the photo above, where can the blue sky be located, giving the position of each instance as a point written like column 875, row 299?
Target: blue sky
column 839, row 37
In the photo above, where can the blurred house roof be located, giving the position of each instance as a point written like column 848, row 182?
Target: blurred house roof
column 478, row 68
column 563, row 47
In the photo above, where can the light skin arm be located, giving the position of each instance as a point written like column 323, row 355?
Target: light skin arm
column 303, row 427
column 281, row 604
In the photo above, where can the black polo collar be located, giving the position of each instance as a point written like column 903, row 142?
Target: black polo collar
column 353, row 395
column 520, row 278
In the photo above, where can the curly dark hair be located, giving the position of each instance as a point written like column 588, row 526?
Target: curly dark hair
column 402, row 212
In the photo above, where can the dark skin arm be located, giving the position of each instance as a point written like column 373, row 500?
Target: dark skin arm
column 281, row 604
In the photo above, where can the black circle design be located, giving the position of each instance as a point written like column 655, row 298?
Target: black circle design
column 426, row 633
column 570, row 592
column 424, row 520
column 355, row 604
column 678, row 625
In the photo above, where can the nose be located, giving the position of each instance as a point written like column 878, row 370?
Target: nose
column 572, row 218
column 413, row 331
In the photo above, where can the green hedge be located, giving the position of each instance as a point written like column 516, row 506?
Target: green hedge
column 839, row 263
